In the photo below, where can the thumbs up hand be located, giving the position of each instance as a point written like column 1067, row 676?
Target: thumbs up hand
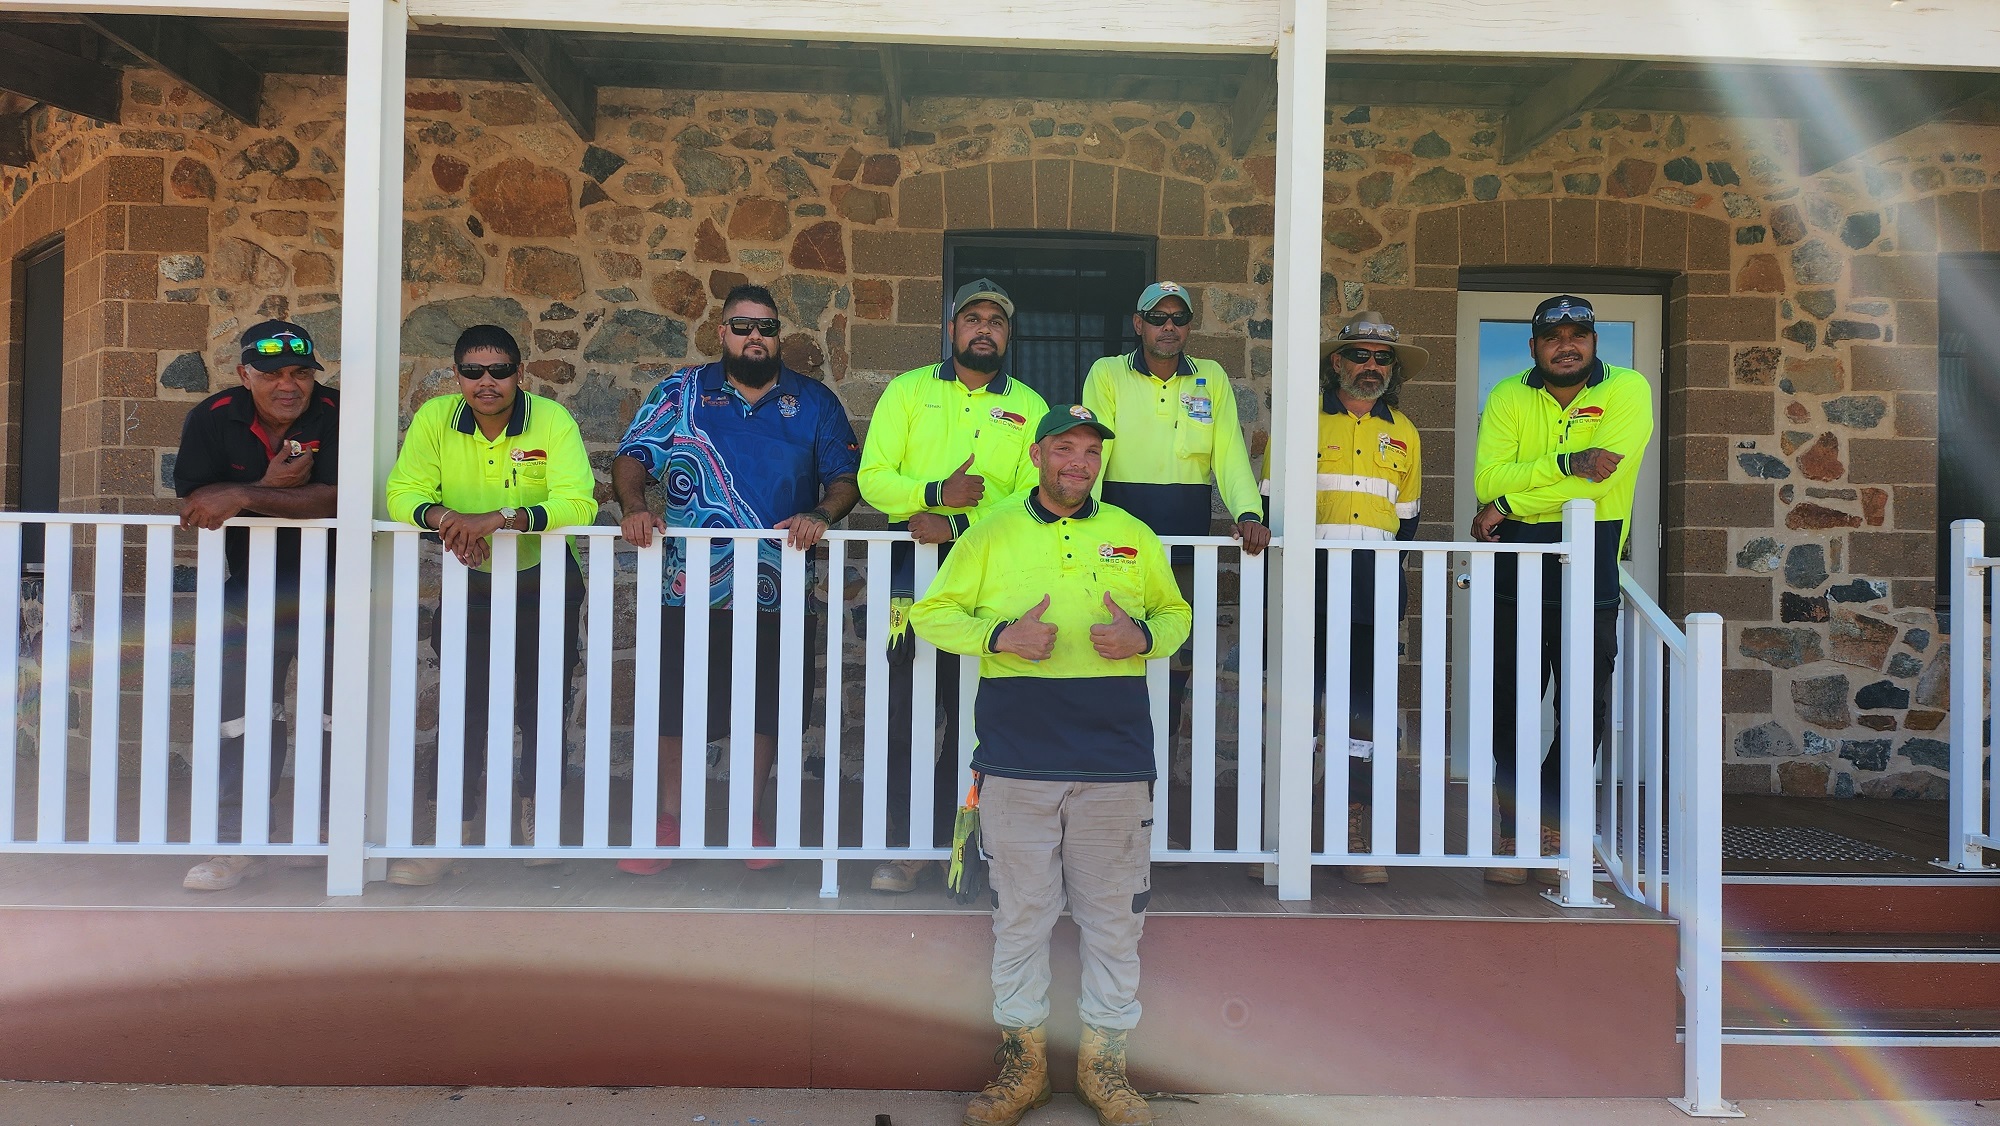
column 1120, row 638
column 962, row 489
column 1030, row 637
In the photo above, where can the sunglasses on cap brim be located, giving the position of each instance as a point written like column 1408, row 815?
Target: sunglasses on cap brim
column 279, row 346
column 1565, row 314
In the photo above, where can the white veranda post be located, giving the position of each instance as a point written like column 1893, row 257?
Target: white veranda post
column 371, row 312
column 1295, row 309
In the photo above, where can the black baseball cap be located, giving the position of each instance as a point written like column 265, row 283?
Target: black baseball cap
column 1067, row 416
column 1564, row 309
column 270, row 345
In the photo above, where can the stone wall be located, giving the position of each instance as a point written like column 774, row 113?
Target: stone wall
column 1800, row 387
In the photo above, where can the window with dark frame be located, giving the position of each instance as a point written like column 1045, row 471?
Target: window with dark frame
column 1968, row 406
column 1073, row 298
column 39, row 462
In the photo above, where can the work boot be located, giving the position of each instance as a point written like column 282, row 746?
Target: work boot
column 423, row 871
column 1506, row 877
column 528, row 836
column 220, row 873
column 1357, row 842
column 1552, row 845
column 1100, row 1079
column 1023, row 1082
column 898, row 876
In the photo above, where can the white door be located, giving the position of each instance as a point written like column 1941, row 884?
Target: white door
column 1492, row 345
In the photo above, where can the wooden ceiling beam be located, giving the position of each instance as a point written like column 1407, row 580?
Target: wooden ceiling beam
column 547, row 62
column 178, row 46
column 1848, row 122
column 1548, row 108
column 34, row 70
column 1256, row 97
column 889, row 58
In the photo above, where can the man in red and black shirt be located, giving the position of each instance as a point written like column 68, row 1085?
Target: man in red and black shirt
column 269, row 447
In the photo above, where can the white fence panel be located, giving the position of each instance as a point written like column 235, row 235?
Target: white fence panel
column 1974, row 584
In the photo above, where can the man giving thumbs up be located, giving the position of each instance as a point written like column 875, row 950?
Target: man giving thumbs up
column 1064, row 599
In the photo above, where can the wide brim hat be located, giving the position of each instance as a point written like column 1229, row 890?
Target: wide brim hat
column 1369, row 327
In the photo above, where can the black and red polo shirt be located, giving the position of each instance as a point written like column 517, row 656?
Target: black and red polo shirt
column 222, row 441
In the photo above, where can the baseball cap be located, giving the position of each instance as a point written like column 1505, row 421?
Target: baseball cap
column 1069, row 416
column 270, row 345
column 1160, row 291
column 982, row 289
column 1564, row 308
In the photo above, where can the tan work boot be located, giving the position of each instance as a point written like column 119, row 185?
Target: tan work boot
column 1552, row 845
column 528, row 836
column 1357, row 841
column 1100, row 1079
column 220, row 873
column 1023, row 1082
column 1506, row 877
column 423, row 871
column 898, row 876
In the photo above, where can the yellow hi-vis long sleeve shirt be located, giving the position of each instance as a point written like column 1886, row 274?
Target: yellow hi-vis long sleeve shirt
column 1075, row 716
column 925, row 426
column 1174, row 434
column 537, row 463
column 1521, row 464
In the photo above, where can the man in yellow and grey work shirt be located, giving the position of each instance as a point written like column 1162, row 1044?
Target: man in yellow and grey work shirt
column 489, row 458
column 1176, row 420
column 948, row 442
column 1063, row 599
column 1371, row 481
column 1571, row 427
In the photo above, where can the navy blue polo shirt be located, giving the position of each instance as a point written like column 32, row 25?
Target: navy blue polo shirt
column 729, row 463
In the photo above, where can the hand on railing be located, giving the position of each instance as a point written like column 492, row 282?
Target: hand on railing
column 638, row 527
column 466, row 534
column 929, row 527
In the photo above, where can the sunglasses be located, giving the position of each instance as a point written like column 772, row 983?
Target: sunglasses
column 279, row 345
column 1156, row 318
column 762, row 326
column 496, row 372
column 1365, row 356
column 1566, row 314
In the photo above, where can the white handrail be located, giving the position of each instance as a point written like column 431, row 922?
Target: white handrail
column 1975, row 663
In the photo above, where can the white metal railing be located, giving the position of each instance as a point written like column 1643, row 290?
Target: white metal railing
column 128, row 811
column 796, row 835
column 1574, row 555
column 1660, row 810
column 1975, row 684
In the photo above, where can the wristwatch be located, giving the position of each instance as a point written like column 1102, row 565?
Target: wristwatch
column 507, row 518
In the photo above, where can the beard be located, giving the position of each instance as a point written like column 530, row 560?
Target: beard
column 1581, row 374
column 1353, row 387
column 749, row 372
column 1055, row 489
column 988, row 362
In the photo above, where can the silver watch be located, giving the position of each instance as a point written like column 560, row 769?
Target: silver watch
column 507, row 517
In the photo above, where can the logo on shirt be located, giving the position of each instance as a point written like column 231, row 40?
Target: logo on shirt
column 788, row 405
column 1117, row 551
column 708, row 400
column 1586, row 412
column 1385, row 443
column 1009, row 417
column 529, row 455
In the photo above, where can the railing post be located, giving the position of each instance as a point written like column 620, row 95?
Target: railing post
column 1697, row 875
column 1964, row 851
column 1297, row 306
column 371, row 311
column 1578, row 817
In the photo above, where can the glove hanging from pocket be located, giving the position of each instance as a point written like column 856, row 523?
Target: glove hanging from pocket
column 901, row 638
column 966, row 880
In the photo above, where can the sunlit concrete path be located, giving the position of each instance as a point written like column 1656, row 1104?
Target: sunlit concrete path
column 78, row 1104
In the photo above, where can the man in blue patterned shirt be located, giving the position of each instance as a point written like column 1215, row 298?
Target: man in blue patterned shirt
column 744, row 442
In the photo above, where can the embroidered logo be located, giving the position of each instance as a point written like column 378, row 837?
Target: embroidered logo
column 1117, row 551
column 1082, row 412
column 529, row 455
column 1586, row 412
column 788, row 406
column 1009, row 417
column 1385, row 443
column 708, row 400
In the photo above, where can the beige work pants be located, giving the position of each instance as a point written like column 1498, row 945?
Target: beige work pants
column 1087, row 844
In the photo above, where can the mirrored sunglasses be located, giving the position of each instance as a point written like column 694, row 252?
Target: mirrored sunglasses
column 1366, row 356
column 1565, row 314
column 280, row 345
column 762, row 326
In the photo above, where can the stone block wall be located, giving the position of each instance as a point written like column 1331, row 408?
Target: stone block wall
column 1800, row 384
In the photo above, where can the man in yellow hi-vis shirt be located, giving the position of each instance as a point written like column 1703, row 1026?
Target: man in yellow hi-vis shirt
column 489, row 458
column 948, row 442
column 1176, row 421
column 1571, row 427
column 1063, row 599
